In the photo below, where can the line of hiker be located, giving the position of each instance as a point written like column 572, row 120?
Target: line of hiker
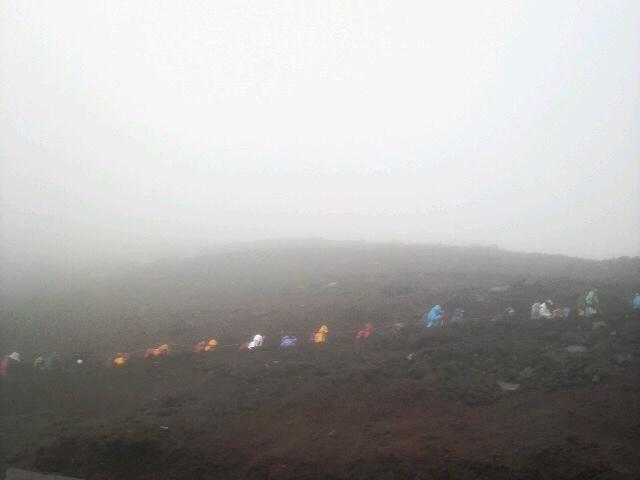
column 588, row 305
column 436, row 317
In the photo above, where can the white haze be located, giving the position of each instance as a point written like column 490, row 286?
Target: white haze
column 131, row 130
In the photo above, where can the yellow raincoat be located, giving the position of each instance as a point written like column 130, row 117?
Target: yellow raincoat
column 211, row 345
column 121, row 359
column 321, row 335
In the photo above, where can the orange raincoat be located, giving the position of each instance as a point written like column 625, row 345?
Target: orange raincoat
column 157, row 352
column 365, row 332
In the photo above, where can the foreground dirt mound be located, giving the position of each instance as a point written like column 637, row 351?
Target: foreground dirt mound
column 503, row 399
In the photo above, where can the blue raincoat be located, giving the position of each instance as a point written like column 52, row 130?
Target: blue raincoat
column 288, row 342
column 434, row 316
column 636, row 302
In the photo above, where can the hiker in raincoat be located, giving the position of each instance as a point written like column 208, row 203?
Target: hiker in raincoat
column 288, row 341
column 434, row 317
column 592, row 303
column 52, row 361
column 321, row 335
column 205, row 346
column 636, row 303
column 546, row 308
column 365, row 332
column 121, row 359
column 535, row 311
column 256, row 342
column 38, row 363
column 160, row 351
column 581, row 305
column 7, row 361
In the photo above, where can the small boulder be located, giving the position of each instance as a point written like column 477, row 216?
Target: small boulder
column 576, row 349
column 508, row 387
column 500, row 289
column 526, row 373
column 624, row 358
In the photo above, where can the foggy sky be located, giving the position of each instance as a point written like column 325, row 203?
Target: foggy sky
column 130, row 129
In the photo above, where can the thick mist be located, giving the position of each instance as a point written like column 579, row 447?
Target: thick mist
column 132, row 131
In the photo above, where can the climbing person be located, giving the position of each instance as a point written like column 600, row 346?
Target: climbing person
column 592, row 303
column 211, row 345
column 205, row 346
column 121, row 359
column 288, row 341
column 38, row 363
column 7, row 362
column 557, row 313
column 321, row 335
column 160, row 351
column 256, row 342
column 4, row 365
column 365, row 332
column 581, row 305
column 635, row 304
column 52, row 361
column 434, row 317
column 535, row 311
column 546, row 308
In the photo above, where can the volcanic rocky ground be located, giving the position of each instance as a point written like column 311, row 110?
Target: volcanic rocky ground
column 505, row 398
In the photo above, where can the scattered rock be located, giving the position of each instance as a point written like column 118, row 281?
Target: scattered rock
column 508, row 387
column 624, row 358
column 411, row 357
column 396, row 327
column 500, row 289
column 526, row 373
column 17, row 474
column 333, row 433
column 576, row 349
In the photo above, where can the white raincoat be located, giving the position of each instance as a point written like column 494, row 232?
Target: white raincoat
column 256, row 342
